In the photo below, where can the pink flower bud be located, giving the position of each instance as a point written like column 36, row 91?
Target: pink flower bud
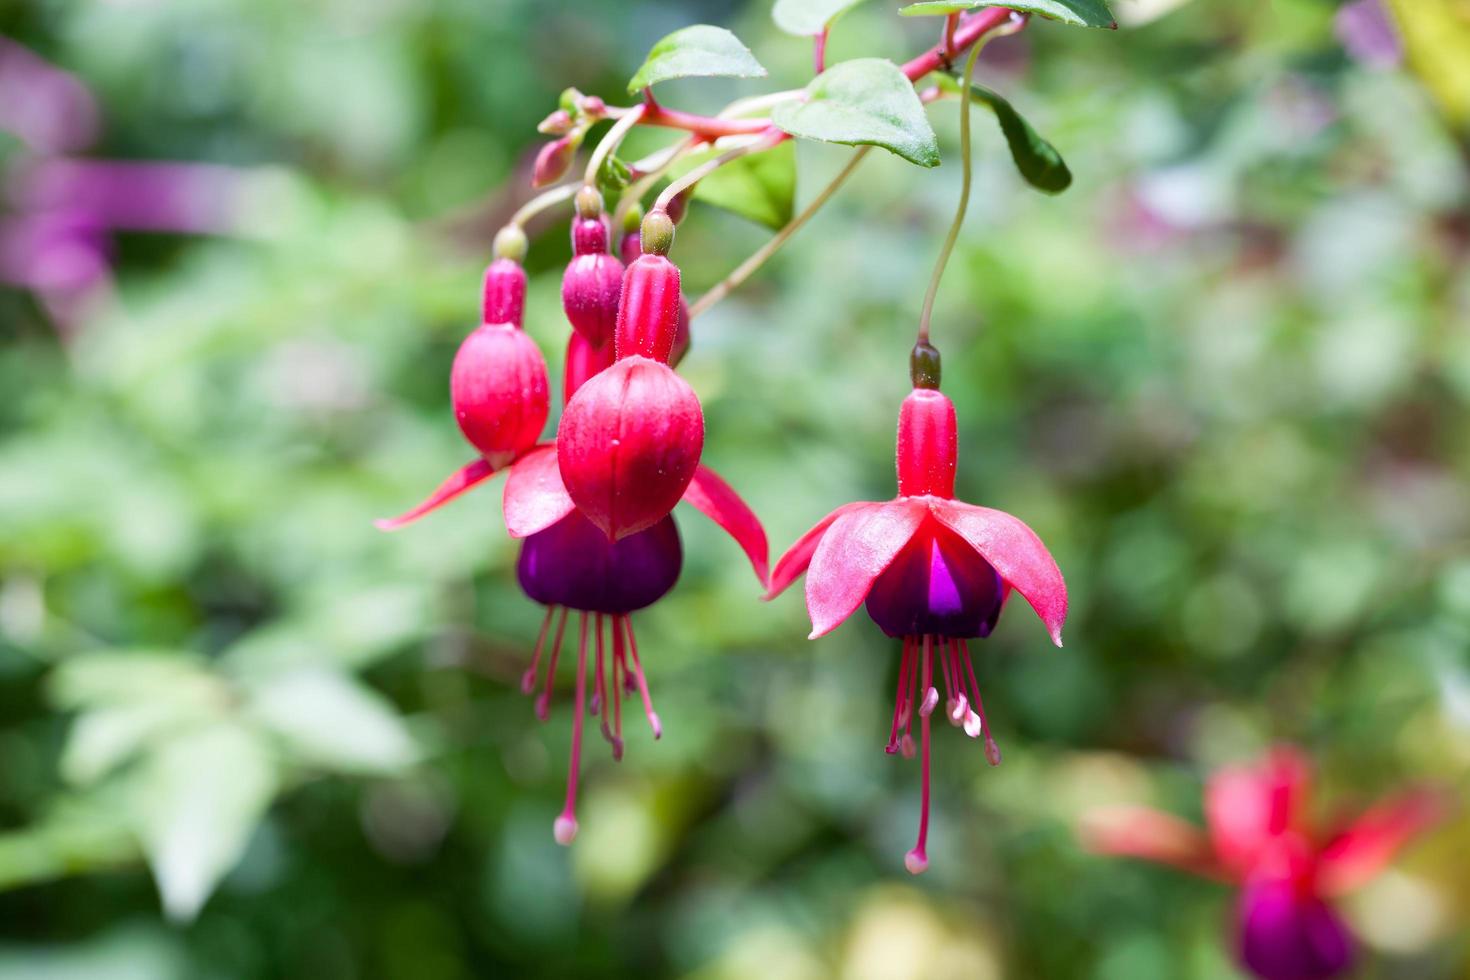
column 592, row 283
column 648, row 317
column 498, row 387
column 503, row 293
column 927, row 445
column 552, row 162
column 628, row 445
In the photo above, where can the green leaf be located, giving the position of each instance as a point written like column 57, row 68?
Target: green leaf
column 1038, row 161
column 195, row 804
column 329, row 720
column 694, row 52
column 103, row 739
column 805, row 18
column 864, row 101
column 760, row 187
column 1083, row 13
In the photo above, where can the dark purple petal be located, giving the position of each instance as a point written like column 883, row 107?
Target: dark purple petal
column 572, row 564
column 939, row 585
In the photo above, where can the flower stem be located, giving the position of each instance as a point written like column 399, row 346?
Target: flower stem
column 748, row 268
column 610, row 142
column 959, row 216
column 769, row 138
column 544, row 200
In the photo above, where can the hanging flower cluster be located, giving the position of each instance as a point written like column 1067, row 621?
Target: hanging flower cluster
column 593, row 506
column 1261, row 840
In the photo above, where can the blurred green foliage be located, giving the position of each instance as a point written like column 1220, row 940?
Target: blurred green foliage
column 1224, row 376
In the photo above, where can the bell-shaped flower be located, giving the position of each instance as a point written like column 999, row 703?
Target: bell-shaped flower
column 1260, row 838
column 934, row 572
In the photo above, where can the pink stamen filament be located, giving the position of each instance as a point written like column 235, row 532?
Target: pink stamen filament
column 618, row 691
column 565, row 828
column 528, row 679
column 900, row 701
column 599, row 693
column 543, row 704
column 642, row 682
column 918, row 859
column 992, row 750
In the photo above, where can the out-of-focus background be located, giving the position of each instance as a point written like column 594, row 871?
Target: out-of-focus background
column 244, row 735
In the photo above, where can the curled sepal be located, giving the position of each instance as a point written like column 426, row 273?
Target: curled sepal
column 463, row 479
column 648, row 316
column 1016, row 553
column 857, row 548
column 717, row 500
column 1365, row 846
column 792, row 565
column 629, row 443
column 534, row 496
column 499, row 390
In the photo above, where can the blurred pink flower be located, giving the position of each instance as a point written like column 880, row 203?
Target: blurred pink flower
column 1366, row 29
column 1260, row 839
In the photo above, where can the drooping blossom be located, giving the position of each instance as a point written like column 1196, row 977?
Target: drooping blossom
column 569, row 565
column 1260, row 838
column 933, row 572
column 630, row 439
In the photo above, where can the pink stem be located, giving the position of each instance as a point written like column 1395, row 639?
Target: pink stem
column 819, row 51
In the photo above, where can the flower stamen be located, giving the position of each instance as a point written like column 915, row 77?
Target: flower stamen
column 642, row 682
column 565, row 828
column 528, row 679
column 918, row 859
column 543, row 704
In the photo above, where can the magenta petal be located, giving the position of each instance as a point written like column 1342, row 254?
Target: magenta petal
column 1013, row 550
column 534, row 496
column 1249, row 807
column 1362, row 849
column 793, row 564
column 855, row 550
column 1288, row 935
column 464, row 478
column 717, row 500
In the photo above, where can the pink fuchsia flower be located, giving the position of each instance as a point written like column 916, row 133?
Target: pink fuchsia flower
column 933, row 571
column 567, row 564
column 1260, row 839
column 630, row 439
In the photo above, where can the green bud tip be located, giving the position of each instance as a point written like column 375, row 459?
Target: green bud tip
column 589, row 202
column 924, row 366
column 633, row 218
column 658, row 233
column 510, row 243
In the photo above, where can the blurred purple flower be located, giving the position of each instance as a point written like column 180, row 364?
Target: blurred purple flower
column 1367, row 31
column 49, row 109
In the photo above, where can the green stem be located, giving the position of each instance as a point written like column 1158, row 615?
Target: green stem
column 544, row 200
column 610, row 142
column 765, row 142
column 959, row 215
column 748, row 268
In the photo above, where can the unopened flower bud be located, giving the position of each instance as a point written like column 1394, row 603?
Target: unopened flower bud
column 593, row 281
column 498, row 389
column 553, row 161
column 657, row 233
column 558, row 123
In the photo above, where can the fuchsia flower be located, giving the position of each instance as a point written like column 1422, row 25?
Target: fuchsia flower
column 933, row 571
column 630, row 439
column 567, row 562
column 1260, row 839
